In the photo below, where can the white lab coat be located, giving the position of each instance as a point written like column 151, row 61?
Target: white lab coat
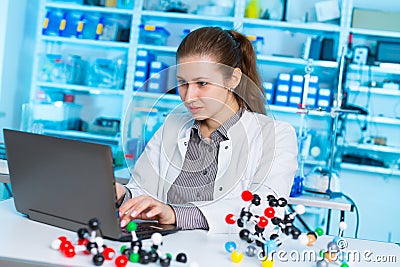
column 260, row 155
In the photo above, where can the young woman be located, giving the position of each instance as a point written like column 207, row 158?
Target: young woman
column 195, row 167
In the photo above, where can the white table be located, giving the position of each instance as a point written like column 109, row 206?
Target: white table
column 27, row 243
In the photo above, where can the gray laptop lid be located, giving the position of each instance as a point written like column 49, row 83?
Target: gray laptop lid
column 62, row 182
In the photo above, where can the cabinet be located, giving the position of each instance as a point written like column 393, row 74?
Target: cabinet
column 370, row 141
column 281, row 52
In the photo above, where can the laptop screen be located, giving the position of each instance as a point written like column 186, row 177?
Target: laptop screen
column 62, row 182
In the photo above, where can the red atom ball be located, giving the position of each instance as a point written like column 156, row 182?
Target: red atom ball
column 69, row 252
column 65, row 245
column 121, row 261
column 62, row 238
column 263, row 222
column 108, row 253
column 269, row 212
column 229, row 219
column 247, row 195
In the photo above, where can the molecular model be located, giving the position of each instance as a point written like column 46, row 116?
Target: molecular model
column 136, row 254
column 258, row 243
column 88, row 243
column 335, row 252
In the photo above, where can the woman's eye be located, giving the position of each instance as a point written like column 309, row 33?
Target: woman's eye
column 182, row 84
column 202, row 83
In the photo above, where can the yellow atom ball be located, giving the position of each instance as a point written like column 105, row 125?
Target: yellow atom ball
column 267, row 263
column 236, row 257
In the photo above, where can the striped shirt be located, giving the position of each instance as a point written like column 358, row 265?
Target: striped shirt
column 197, row 177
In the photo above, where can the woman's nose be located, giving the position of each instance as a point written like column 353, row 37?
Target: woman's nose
column 191, row 92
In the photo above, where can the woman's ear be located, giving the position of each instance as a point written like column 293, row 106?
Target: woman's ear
column 235, row 79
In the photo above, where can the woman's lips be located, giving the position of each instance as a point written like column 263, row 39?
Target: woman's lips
column 195, row 109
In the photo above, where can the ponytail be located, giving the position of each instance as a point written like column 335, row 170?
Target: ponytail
column 233, row 49
column 253, row 94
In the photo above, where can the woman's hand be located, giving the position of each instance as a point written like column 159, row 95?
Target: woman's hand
column 146, row 208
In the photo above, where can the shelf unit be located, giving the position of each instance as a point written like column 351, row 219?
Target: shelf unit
column 375, row 33
column 383, row 119
column 371, row 169
column 371, row 147
column 237, row 21
column 374, row 90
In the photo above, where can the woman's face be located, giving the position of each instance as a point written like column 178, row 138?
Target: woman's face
column 203, row 89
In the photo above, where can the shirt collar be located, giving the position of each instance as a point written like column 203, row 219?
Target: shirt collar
column 221, row 131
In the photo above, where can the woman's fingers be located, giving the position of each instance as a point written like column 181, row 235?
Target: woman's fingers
column 146, row 208
column 138, row 208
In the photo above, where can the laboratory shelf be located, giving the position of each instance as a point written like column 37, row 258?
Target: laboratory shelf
column 82, row 136
column 296, row 61
column 301, row 27
column 294, row 110
column 156, row 101
column 164, row 49
column 374, row 90
column 177, row 17
column 375, row 33
column 375, row 119
column 315, row 162
column 97, row 43
column 81, row 88
column 383, row 68
column 371, row 169
column 156, row 96
column 88, row 8
column 371, row 147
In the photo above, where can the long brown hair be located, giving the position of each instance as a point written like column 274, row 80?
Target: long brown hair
column 233, row 49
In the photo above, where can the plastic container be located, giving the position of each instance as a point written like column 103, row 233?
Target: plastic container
column 153, row 35
column 109, row 29
column 57, row 115
column 158, row 75
column 125, row 4
column 75, row 68
column 90, row 22
column 104, row 126
column 214, row 10
column 69, row 24
column 258, row 43
column 62, row 69
column 106, row 73
column 52, row 69
column 51, row 22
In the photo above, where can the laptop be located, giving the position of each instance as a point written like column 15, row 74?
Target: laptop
column 65, row 183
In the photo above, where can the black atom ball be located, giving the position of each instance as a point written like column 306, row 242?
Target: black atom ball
column 181, row 257
column 98, row 259
column 144, row 257
column 256, row 200
column 94, row 224
column 82, row 232
column 245, row 235
column 165, row 262
column 153, row 256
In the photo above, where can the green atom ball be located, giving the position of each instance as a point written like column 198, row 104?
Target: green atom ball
column 319, row 231
column 122, row 249
column 132, row 226
column 134, row 257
